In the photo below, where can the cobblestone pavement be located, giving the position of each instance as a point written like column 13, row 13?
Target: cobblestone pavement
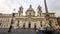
column 19, row 31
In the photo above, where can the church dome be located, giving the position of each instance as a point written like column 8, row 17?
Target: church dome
column 30, row 8
column 30, row 11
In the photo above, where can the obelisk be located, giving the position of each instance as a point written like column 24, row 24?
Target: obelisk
column 47, row 16
column 46, row 9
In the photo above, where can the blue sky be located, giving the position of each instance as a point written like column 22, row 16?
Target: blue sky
column 7, row 6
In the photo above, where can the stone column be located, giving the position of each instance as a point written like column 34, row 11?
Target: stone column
column 47, row 25
column 38, row 24
column 26, row 24
column 43, row 24
column 15, row 25
column 32, row 24
column 21, row 24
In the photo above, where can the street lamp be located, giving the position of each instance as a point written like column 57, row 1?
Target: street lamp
column 11, row 22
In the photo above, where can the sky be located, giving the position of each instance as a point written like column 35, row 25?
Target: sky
column 7, row 6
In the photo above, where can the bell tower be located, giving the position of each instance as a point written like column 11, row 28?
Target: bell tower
column 39, row 11
column 20, row 12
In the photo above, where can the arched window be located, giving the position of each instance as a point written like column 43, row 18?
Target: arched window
column 29, row 13
column 18, row 23
column 0, row 24
column 24, row 25
column 41, row 23
column 29, row 25
column 35, row 26
column 50, row 22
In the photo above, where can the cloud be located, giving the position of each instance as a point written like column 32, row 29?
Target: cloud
column 54, row 6
column 7, row 6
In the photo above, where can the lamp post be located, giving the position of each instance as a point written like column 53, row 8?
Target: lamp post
column 11, row 22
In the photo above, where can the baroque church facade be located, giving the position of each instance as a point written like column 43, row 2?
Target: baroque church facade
column 30, row 20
